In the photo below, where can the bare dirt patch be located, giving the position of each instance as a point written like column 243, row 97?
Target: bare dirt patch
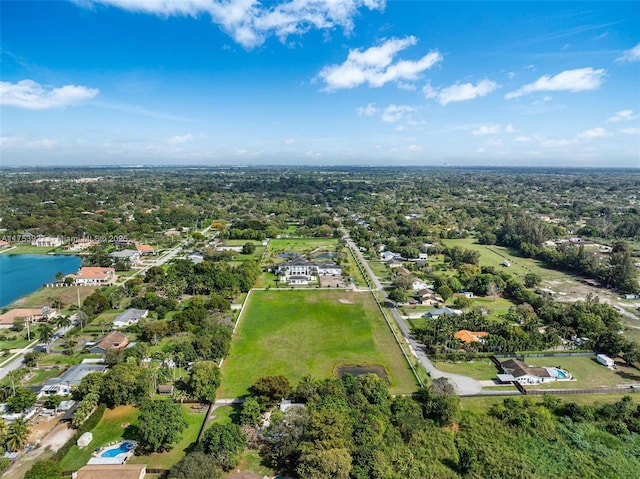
column 345, row 301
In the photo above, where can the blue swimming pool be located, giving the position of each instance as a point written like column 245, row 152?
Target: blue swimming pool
column 559, row 373
column 122, row 448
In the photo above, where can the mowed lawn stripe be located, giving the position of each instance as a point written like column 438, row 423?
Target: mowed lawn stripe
column 295, row 333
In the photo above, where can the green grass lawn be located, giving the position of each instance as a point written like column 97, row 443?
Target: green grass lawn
column 17, row 343
column 480, row 369
column 381, row 270
column 41, row 375
column 587, row 372
column 29, row 249
column 108, row 429
column 165, row 460
column 300, row 245
column 68, row 296
column 295, row 333
column 492, row 255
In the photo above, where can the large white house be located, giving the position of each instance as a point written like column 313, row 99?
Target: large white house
column 302, row 271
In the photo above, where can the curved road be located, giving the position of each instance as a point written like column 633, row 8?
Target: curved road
column 464, row 385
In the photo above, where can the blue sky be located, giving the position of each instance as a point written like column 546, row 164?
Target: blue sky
column 320, row 82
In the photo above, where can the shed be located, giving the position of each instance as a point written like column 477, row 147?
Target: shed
column 605, row 360
column 85, row 439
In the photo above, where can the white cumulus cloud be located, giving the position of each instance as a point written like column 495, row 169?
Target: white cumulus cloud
column 250, row 22
column 580, row 79
column 491, row 129
column 394, row 113
column 460, row 91
column 631, row 55
column 594, row 133
column 630, row 131
column 623, row 115
column 368, row 110
column 375, row 66
column 34, row 96
column 179, row 139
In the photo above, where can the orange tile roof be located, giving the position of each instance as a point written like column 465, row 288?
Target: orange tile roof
column 144, row 248
column 470, row 336
column 10, row 316
column 95, row 272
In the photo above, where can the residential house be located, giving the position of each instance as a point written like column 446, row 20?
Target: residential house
column 516, row 370
column 129, row 317
column 129, row 255
column 196, row 258
column 428, row 296
column 71, row 377
column 402, row 271
column 144, row 249
column 113, row 340
column 81, row 244
column 111, row 471
column 471, row 336
column 388, row 255
column 47, row 241
column 300, row 270
column 436, row 313
column 28, row 314
column 418, row 285
column 93, row 275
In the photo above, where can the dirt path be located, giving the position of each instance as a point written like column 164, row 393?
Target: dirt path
column 52, row 437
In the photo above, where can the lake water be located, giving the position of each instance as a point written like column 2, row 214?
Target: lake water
column 22, row 274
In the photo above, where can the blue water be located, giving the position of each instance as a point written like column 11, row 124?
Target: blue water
column 123, row 448
column 23, row 274
column 560, row 374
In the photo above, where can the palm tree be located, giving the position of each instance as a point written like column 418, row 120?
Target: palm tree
column 59, row 276
column 18, row 434
column 3, row 431
column 14, row 376
column 62, row 321
column 82, row 318
column 46, row 334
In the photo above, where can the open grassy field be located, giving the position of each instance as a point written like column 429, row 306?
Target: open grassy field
column 295, row 333
column 492, row 255
column 67, row 295
column 300, row 245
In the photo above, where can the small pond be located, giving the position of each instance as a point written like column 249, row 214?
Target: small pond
column 287, row 254
column 358, row 370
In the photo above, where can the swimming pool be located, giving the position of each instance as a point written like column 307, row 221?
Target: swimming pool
column 558, row 373
column 123, row 448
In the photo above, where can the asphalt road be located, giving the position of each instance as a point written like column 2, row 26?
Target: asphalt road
column 464, row 385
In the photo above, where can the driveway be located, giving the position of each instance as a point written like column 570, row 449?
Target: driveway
column 464, row 385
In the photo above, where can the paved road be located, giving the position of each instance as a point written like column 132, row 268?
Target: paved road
column 464, row 386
